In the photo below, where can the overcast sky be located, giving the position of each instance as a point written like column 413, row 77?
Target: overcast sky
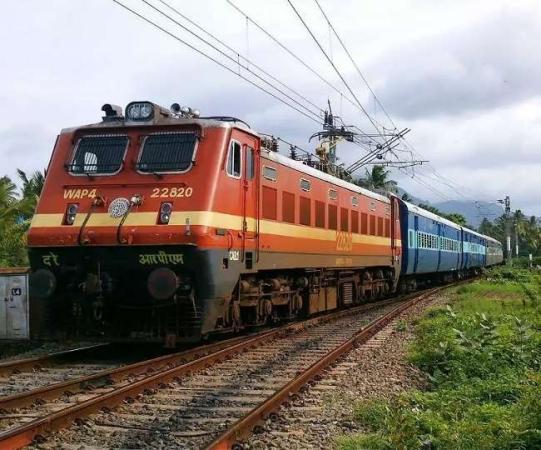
column 464, row 75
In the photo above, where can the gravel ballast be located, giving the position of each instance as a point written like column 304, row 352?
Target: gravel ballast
column 324, row 411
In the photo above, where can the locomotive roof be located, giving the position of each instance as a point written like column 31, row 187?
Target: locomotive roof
column 203, row 122
column 297, row 165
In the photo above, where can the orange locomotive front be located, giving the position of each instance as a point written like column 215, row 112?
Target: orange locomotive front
column 165, row 224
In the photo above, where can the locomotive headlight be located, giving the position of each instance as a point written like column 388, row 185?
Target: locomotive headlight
column 71, row 213
column 165, row 213
column 140, row 111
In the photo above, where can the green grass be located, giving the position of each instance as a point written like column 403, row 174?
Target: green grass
column 482, row 356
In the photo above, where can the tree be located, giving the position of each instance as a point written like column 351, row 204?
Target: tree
column 8, row 202
column 31, row 190
column 406, row 197
column 377, row 180
column 459, row 219
column 16, row 211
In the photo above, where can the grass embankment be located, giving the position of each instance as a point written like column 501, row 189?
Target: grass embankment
column 482, row 357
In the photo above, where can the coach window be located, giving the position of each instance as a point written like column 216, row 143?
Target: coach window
column 333, row 194
column 234, row 160
column 354, row 200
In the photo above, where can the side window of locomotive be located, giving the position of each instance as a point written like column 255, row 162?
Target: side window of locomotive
column 270, row 173
column 98, row 155
column 167, row 152
column 234, row 159
column 250, row 161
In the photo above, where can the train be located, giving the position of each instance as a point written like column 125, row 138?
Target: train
column 158, row 224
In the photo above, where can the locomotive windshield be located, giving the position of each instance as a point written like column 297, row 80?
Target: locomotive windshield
column 99, row 154
column 167, row 152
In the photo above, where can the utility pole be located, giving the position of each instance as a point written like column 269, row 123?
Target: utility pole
column 516, row 239
column 508, row 225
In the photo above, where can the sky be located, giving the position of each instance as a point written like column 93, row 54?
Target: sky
column 464, row 75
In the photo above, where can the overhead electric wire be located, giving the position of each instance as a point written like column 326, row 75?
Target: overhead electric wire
column 200, row 28
column 201, row 52
column 333, row 65
column 353, row 62
column 228, row 57
column 292, row 54
column 427, row 186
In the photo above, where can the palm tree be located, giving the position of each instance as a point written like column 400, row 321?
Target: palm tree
column 376, row 180
column 8, row 201
column 31, row 190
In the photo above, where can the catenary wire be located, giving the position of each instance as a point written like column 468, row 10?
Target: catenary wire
column 246, row 59
column 333, row 65
column 354, row 63
column 201, row 52
column 294, row 55
column 230, row 57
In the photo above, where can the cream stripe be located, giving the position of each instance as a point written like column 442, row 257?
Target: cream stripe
column 209, row 219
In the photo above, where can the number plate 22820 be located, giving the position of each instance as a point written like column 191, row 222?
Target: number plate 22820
column 172, row 192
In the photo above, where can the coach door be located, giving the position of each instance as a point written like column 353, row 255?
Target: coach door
column 250, row 230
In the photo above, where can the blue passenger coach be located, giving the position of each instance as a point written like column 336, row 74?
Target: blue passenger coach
column 434, row 249
column 474, row 249
column 431, row 246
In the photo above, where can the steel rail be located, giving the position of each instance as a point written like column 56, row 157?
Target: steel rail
column 109, row 376
column 28, row 432
column 230, row 439
column 36, row 362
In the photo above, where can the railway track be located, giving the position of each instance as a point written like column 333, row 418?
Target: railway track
column 17, row 376
column 187, row 399
column 38, row 362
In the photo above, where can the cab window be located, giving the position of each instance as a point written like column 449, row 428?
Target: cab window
column 167, row 152
column 99, row 155
column 234, row 159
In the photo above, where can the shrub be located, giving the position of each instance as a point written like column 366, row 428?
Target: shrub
column 482, row 358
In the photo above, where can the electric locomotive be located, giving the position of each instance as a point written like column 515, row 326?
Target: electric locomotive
column 161, row 224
